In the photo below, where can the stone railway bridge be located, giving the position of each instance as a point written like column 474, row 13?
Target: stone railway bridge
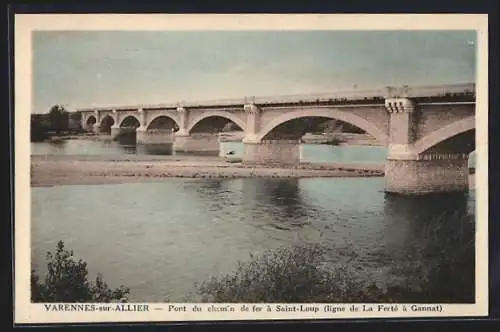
column 429, row 130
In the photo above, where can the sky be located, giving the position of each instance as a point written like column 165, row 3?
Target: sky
column 80, row 69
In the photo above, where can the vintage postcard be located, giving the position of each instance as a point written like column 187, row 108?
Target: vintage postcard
column 250, row 167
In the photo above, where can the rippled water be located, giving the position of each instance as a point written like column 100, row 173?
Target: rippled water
column 161, row 238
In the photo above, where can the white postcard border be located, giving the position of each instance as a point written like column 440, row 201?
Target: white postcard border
column 27, row 312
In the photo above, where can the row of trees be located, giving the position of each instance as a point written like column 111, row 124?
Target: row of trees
column 54, row 123
column 328, row 126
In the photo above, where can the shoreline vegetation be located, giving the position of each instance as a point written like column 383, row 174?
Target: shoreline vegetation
column 301, row 273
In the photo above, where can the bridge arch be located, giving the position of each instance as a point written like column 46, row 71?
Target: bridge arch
column 455, row 129
column 91, row 120
column 160, row 120
column 330, row 113
column 106, row 123
column 220, row 114
column 130, row 121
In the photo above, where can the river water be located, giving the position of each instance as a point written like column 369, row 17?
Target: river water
column 161, row 238
column 308, row 152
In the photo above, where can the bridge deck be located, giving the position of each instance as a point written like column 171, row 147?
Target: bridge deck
column 434, row 93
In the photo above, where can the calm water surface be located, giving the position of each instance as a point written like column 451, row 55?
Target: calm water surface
column 161, row 238
column 309, row 152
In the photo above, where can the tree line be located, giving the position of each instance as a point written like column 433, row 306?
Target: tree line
column 58, row 121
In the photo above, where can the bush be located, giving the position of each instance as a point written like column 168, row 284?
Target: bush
column 440, row 269
column 67, row 281
column 295, row 274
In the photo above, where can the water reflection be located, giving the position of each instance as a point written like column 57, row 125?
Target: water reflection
column 420, row 215
column 165, row 149
column 162, row 149
column 128, row 148
column 200, row 227
column 437, row 240
column 127, row 136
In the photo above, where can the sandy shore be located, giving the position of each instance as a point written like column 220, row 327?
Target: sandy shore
column 46, row 171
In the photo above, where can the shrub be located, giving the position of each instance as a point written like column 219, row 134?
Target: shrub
column 67, row 281
column 440, row 269
column 295, row 274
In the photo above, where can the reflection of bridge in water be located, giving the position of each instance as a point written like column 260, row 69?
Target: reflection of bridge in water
column 429, row 131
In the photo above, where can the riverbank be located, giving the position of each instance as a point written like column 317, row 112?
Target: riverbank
column 46, row 171
column 341, row 139
column 237, row 136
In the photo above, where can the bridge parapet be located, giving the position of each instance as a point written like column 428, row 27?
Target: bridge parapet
column 429, row 90
column 443, row 91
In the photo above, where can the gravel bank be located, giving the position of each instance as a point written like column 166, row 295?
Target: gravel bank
column 48, row 172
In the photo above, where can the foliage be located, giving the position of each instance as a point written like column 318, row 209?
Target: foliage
column 67, row 281
column 38, row 128
column 231, row 126
column 289, row 275
column 300, row 273
column 336, row 126
column 447, row 245
column 330, row 126
column 59, row 118
column 57, row 121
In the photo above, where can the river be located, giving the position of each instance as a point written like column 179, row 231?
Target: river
column 308, row 152
column 161, row 238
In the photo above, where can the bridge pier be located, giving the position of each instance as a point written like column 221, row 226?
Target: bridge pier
column 125, row 135
column 411, row 172
column 428, row 174
column 115, row 132
column 155, row 141
column 96, row 128
column 271, row 152
column 154, row 136
column 197, row 143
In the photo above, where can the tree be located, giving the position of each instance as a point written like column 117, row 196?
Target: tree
column 67, row 281
column 230, row 126
column 59, row 118
column 38, row 128
column 331, row 126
